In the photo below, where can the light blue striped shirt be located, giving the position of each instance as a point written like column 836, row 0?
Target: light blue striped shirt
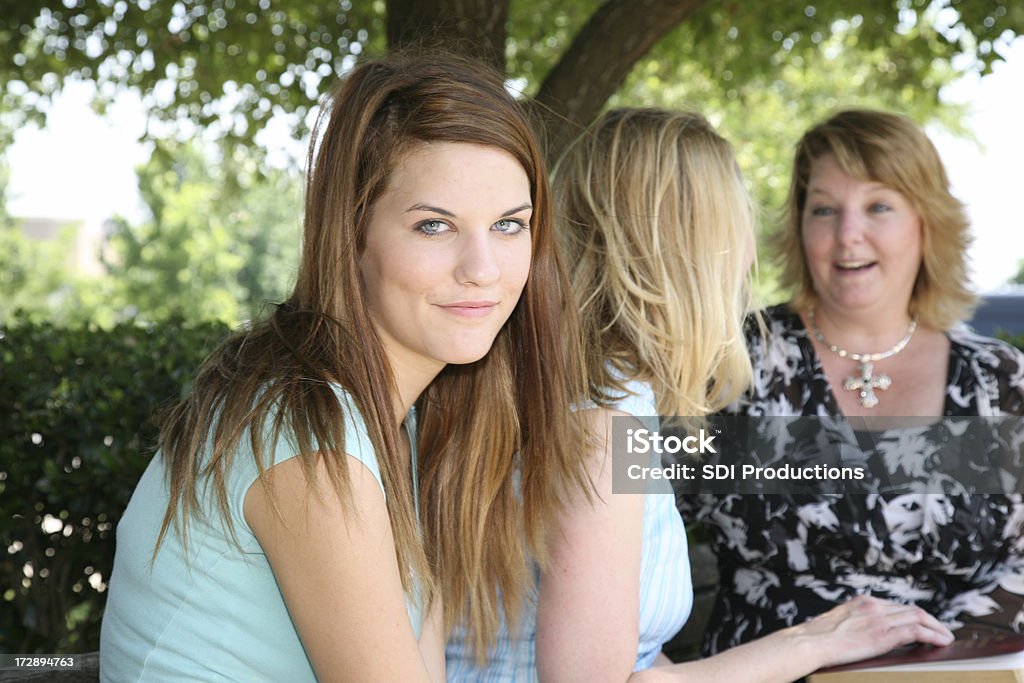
column 666, row 589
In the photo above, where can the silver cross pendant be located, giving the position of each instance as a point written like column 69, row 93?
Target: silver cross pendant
column 866, row 385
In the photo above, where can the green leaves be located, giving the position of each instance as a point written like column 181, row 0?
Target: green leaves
column 183, row 56
column 205, row 59
column 76, row 433
column 223, row 237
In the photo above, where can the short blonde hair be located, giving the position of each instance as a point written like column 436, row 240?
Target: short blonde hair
column 892, row 150
column 657, row 229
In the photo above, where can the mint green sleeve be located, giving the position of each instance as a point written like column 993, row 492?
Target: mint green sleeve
column 244, row 472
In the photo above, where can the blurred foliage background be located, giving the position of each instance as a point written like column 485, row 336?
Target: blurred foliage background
column 223, row 228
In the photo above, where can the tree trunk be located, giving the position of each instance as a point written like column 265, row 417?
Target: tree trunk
column 600, row 57
column 595, row 65
column 472, row 27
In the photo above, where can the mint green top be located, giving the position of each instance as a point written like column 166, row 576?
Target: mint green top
column 220, row 617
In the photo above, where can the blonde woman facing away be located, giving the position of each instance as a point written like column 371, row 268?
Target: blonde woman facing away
column 338, row 485
column 658, row 229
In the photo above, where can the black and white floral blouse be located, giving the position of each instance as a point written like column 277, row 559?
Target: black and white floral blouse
column 785, row 558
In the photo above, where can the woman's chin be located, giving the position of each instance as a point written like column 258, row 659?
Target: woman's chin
column 464, row 356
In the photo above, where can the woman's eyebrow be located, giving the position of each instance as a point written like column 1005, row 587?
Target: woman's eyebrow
column 521, row 207
column 449, row 214
column 428, row 207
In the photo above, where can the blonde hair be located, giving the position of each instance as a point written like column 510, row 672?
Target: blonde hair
column 656, row 225
column 479, row 424
column 889, row 149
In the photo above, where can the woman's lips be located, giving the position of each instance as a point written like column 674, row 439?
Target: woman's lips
column 470, row 309
column 852, row 266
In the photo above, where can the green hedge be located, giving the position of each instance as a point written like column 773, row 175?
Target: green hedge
column 76, row 433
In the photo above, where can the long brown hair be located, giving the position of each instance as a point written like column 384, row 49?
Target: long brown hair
column 479, row 424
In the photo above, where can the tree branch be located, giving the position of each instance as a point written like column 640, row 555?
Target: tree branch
column 477, row 28
column 600, row 57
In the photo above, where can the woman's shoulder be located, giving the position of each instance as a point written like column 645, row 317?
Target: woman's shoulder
column 775, row 331
column 782, row 314
column 773, row 321
column 989, row 353
column 996, row 365
column 277, row 431
column 357, row 435
column 633, row 396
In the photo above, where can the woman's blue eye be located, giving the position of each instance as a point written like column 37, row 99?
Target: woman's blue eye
column 432, row 227
column 821, row 211
column 509, row 226
column 878, row 207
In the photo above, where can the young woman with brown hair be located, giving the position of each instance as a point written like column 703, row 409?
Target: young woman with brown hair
column 427, row 339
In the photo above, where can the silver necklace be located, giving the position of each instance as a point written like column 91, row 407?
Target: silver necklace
column 866, row 383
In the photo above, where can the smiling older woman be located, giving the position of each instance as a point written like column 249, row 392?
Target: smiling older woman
column 874, row 252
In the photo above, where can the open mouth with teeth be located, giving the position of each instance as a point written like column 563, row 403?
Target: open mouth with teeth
column 854, row 266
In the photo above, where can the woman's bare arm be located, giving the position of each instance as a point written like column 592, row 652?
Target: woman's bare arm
column 338, row 574
column 588, row 611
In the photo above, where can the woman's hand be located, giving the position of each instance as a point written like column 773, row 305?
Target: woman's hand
column 861, row 628
column 866, row 627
